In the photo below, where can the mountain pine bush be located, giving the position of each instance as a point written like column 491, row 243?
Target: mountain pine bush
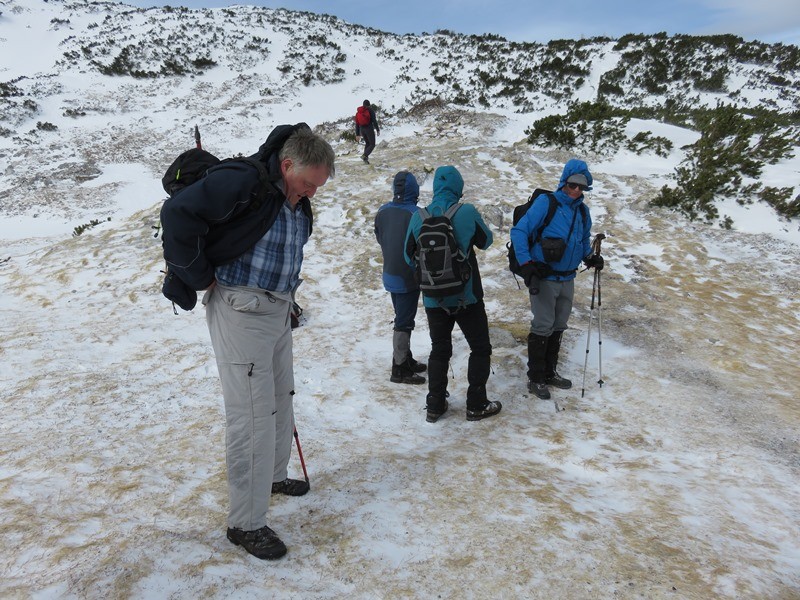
column 733, row 147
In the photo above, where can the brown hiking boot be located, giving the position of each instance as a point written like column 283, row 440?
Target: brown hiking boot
column 489, row 410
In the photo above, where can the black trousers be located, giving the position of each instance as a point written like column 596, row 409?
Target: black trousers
column 474, row 325
column 368, row 133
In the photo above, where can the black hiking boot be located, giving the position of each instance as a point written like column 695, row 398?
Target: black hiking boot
column 489, row 410
column 365, row 159
column 404, row 373
column 262, row 543
column 539, row 389
column 417, row 367
column 291, row 487
column 436, row 407
column 433, row 414
column 558, row 381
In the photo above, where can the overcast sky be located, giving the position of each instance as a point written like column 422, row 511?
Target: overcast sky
column 533, row 20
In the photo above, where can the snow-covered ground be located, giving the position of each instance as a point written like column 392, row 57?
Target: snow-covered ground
column 678, row 478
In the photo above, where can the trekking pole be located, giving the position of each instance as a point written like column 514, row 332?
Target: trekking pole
column 595, row 289
column 598, row 274
column 197, row 137
column 589, row 335
column 300, row 454
column 599, row 331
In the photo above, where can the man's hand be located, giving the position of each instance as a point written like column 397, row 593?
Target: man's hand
column 594, row 261
column 534, row 270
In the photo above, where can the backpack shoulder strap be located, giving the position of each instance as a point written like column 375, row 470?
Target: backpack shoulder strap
column 423, row 213
column 551, row 211
column 450, row 212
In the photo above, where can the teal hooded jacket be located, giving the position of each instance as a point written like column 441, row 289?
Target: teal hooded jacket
column 469, row 229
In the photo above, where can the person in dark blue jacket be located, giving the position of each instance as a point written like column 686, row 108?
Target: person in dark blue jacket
column 549, row 264
column 391, row 224
column 465, row 308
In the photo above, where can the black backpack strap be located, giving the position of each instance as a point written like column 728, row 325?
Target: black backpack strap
column 551, row 211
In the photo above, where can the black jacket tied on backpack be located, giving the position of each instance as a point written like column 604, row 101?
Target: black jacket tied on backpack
column 221, row 216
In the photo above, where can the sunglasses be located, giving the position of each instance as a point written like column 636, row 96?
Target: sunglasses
column 575, row 186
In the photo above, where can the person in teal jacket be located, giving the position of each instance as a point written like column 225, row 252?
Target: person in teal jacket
column 549, row 263
column 465, row 308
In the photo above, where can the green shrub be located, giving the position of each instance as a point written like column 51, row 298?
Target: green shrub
column 732, row 146
column 81, row 228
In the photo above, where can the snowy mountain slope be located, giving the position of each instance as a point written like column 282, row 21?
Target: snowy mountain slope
column 677, row 478
column 114, row 69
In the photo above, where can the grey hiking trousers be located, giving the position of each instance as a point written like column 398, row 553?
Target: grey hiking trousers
column 252, row 340
column 552, row 306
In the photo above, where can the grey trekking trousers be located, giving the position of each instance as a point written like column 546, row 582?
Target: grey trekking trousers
column 252, row 339
column 552, row 306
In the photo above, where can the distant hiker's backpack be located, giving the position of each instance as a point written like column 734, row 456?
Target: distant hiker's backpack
column 519, row 212
column 362, row 115
column 442, row 269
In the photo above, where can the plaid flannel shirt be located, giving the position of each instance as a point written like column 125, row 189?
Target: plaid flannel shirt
column 274, row 262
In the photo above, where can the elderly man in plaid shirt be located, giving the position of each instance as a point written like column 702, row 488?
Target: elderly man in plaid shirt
column 264, row 225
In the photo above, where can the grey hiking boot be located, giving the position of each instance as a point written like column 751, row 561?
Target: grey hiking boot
column 262, row 543
column 489, row 410
column 539, row 389
column 558, row 381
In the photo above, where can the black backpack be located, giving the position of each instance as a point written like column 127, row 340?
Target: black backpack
column 519, row 212
column 193, row 165
column 186, row 169
column 442, row 269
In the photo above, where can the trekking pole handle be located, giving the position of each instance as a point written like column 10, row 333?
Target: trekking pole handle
column 197, row 137
column 596, row 243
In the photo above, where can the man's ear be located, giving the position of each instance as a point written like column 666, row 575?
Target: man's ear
column 286, row 165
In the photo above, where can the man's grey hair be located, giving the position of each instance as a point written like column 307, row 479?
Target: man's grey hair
column 307, row 149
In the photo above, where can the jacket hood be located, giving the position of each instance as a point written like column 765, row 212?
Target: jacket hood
column 406, row 188
column 268, row 151
column 575, row 167
column 448, row 185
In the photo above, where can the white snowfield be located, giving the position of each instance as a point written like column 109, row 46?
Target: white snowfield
column 678, row 478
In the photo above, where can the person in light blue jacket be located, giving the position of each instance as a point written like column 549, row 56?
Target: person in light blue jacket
column 391, row 225
column 549, row 262
column 465, row 308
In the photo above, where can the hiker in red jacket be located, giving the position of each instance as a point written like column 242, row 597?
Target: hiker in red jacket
column 367, row 127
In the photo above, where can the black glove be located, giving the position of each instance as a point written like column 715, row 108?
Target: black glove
column 594, row 261
column 531, row 271
column 176, row 290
